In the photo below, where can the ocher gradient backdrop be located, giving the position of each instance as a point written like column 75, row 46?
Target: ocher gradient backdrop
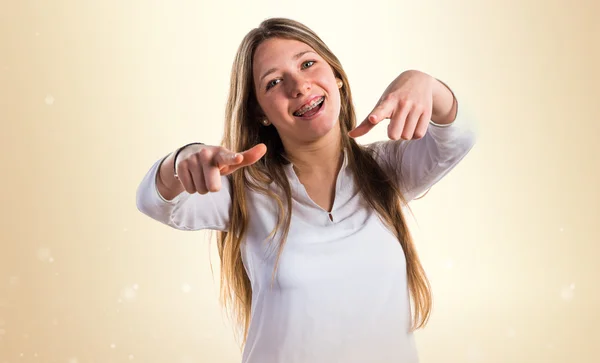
column 93, row 92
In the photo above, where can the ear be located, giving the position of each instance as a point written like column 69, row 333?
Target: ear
column 340, row 83
column 261, row 117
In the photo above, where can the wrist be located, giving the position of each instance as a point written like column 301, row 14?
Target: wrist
column 167, row 186
column 177, row 154
column 444, row 104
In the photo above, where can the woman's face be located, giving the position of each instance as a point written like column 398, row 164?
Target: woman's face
column 296, row 89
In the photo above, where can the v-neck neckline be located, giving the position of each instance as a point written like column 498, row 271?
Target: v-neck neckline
column 303, row 193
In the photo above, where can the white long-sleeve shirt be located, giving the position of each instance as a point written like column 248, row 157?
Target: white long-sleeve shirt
column 341, row 292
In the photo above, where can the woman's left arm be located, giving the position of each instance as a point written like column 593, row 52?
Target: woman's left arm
column 429, row 132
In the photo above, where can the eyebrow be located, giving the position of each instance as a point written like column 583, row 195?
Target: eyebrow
column 294, row 58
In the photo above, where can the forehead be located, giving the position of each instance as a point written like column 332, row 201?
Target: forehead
column 276, row 50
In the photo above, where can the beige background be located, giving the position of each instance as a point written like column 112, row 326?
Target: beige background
column 93, row 92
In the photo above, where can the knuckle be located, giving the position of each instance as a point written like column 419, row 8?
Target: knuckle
column 220, row 150
column 390, row 97
column 201, row 189
column 204, row 156
column 407, row 102
column 214, row 188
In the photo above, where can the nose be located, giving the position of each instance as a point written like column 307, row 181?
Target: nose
column 298, row 85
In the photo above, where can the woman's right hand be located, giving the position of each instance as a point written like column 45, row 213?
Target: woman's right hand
column 200, row 167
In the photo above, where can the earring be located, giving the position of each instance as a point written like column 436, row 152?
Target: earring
column 266, row 122
column 340, row 83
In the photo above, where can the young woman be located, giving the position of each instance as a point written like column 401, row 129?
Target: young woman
column 317, row 262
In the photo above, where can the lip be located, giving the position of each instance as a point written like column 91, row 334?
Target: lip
column 307, row 102
column 323, row 105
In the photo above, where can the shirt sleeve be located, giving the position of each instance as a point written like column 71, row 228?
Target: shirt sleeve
column 418, row 164
column 185, row 211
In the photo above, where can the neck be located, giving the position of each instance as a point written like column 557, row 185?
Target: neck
column 319, row 158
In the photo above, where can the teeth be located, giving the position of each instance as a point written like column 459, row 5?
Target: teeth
column 310, row 106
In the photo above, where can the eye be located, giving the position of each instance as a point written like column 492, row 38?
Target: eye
column 305, row 65
column 272, row 84
column 310, row 63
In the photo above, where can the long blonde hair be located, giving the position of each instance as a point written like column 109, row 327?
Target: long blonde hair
column 243, row 130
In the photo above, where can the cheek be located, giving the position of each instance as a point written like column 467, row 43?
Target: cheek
column 274, row 107
column 336, row 101
column 277, row 104
column 267, row 104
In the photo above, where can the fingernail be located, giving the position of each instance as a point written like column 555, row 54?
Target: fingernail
column 234, row 156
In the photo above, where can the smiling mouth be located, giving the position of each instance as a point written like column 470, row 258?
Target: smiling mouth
column 310, row 109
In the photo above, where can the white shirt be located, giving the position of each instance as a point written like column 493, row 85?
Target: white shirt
column 341, row 292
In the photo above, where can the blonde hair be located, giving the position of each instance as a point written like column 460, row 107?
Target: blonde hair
column 243, row 130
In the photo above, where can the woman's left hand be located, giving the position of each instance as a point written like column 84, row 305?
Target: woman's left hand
column 407, row 102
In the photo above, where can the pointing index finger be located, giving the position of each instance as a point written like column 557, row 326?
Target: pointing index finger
column 243, row 159
column 363, row 128
column 379, row 113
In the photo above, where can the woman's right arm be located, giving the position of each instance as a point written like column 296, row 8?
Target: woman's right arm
column 200, row 197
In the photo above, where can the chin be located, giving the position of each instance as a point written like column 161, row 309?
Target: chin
column 321, row 129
